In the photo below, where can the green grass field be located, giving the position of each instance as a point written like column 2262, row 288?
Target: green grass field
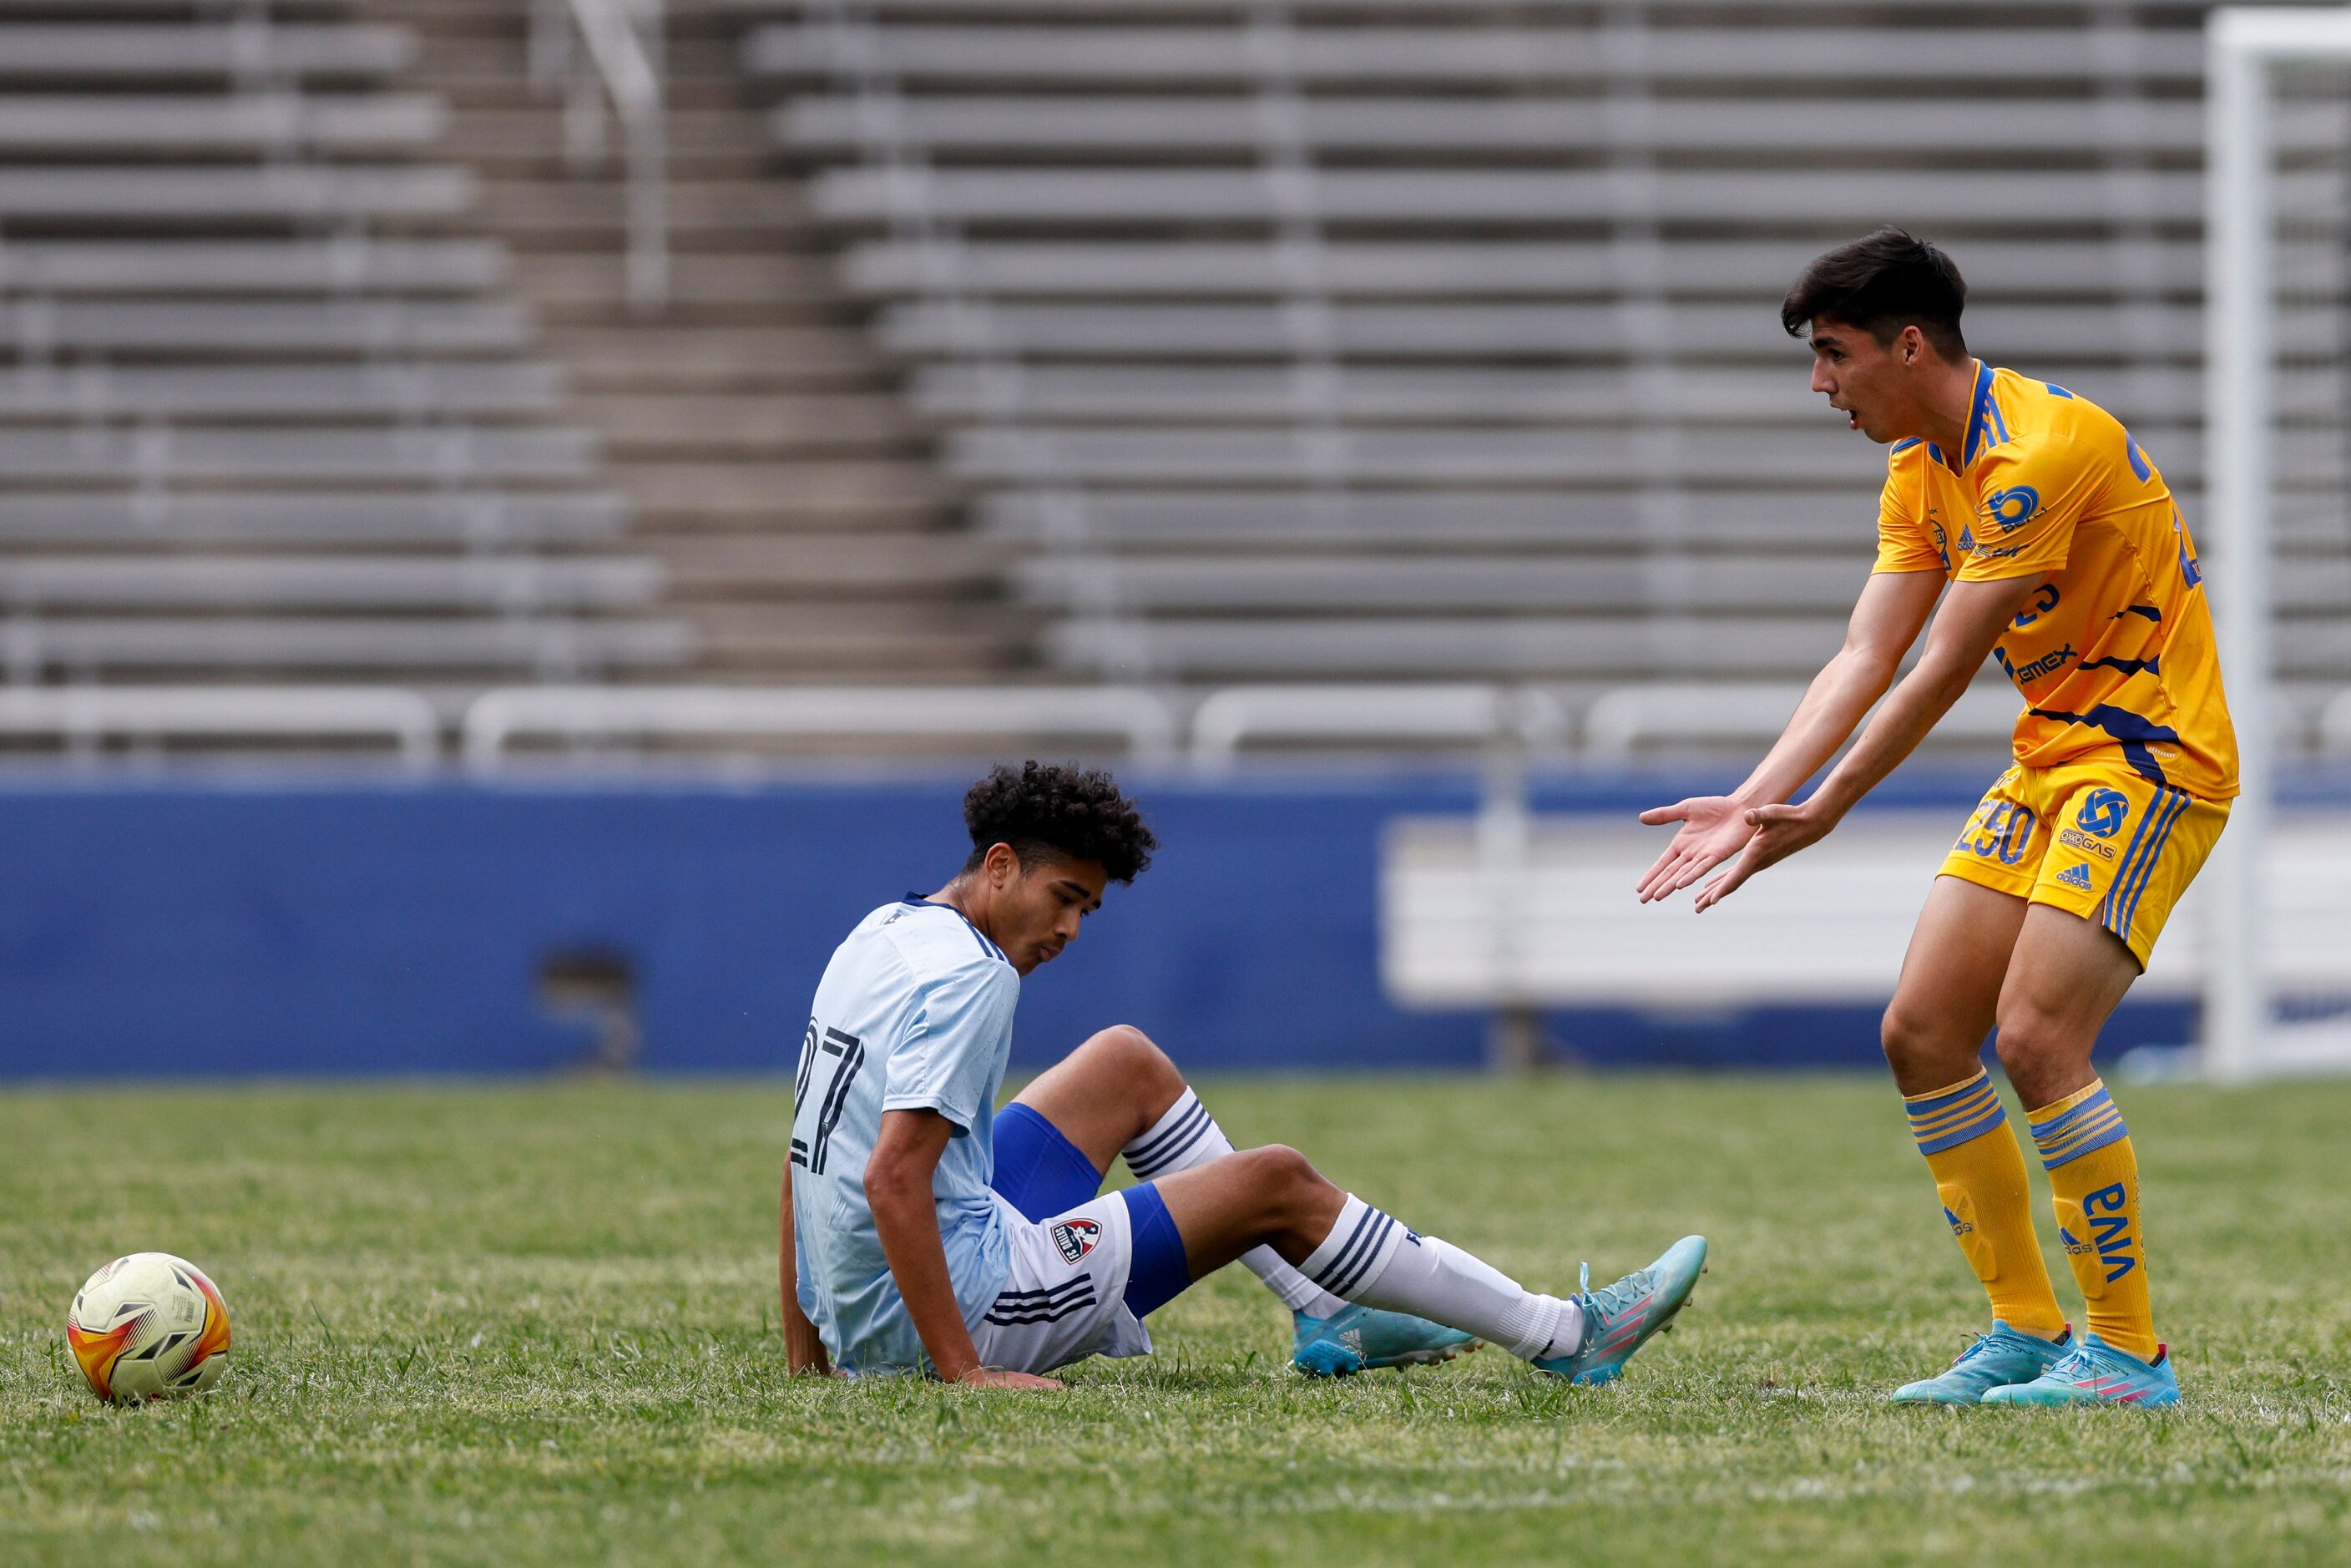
column 535, row 1324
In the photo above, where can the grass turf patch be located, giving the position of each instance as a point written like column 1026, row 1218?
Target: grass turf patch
column 517, row 1324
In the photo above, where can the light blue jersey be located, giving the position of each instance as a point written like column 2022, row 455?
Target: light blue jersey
column 914, row 1013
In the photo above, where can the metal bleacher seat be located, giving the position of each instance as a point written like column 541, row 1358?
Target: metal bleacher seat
column 1379, row 339
column 268, row 410
column 148, row 52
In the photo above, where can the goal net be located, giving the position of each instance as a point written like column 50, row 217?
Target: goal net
column 2277, row 979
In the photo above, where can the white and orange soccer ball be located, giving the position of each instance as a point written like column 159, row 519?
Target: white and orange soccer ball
column 148, row 1326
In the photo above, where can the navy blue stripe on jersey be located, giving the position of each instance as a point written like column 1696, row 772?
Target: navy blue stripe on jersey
column 2128, row 730
column 1148, row 1159
column 990, row 949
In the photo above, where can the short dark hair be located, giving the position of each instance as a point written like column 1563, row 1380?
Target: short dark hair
column 1881, row 285
column 1066, row 811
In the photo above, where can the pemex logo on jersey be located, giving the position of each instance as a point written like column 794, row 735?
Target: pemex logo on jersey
column 1076, row 1238
column 2012, row 509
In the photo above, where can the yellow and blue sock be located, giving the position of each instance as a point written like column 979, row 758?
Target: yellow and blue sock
column 2093, row 1174
column 1978, row 1169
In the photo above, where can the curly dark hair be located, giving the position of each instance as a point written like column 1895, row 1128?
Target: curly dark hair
column 1072, row 812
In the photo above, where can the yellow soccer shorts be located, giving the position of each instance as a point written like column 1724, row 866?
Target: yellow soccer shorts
column 2096, row 841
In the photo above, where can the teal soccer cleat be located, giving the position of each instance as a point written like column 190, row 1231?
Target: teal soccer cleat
column 1359, row 1338
column 1621, row 1318
column 1994, row 1360
column 2096, row 1372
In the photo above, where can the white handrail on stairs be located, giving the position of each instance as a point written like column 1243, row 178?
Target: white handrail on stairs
column 624, row 46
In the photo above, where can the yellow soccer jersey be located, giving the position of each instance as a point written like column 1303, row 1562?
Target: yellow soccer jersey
column 2114, row 651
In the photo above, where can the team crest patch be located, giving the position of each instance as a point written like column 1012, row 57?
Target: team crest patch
column 2075, row 876
column 1076, row 1238
column 2103, row 812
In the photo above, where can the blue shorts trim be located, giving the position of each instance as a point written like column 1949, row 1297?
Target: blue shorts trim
column 1158, row 1271
column 1038, row 1171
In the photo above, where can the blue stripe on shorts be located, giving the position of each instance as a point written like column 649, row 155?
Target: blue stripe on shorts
column 1039, row 1171
column 1159, row 1272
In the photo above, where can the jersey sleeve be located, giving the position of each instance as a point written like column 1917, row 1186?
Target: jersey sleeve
column 948, row 1059
column 1902, row 541
column 2033, row 495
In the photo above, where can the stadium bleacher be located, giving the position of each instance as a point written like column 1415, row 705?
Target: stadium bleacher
column 1187, row 342
column 269, row 409
column 1371, row 337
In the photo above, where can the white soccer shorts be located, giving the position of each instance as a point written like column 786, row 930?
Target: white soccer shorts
column 1064, row 1299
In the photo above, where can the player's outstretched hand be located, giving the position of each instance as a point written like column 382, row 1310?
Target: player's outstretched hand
column 1714, row 829
column 1779, row 832
column 993, row 1377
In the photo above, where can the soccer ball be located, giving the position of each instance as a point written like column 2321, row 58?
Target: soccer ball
column 147, row 1326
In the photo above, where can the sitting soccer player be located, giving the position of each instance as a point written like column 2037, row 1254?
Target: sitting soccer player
column 924, row 1232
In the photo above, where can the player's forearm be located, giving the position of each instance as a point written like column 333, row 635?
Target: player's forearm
column 803, row 1346
column 909, row 1227
column 1834, row 704
column 1911, row 712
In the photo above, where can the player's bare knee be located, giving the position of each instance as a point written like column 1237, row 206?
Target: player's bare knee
column 1290, row 1188
column 1139, row 1060
column 1913, row 1043
column 2036, row 1045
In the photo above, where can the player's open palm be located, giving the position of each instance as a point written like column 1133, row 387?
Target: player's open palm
column 1714, row 827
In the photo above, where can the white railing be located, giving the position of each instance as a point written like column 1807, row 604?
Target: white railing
column 1140, row 721
column 622, row 41
column 1461, row 714
column 82, row 717
column 1510, row 727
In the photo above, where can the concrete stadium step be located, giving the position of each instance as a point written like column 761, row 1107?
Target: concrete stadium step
column 638, row 425
column 589, row 290
column 552, row 212
column 813, row 496
column 830, row 568
column 753, row 426
column 861, row 641
column 706, row 358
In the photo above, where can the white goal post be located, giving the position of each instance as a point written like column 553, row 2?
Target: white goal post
column 2250, row 51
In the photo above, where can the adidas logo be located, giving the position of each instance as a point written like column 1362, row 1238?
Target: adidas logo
column 2075, row 876
column 2074, row 1249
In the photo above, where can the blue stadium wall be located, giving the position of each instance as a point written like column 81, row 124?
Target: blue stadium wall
column 194, row 928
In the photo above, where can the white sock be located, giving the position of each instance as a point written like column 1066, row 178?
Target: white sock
column 1371, row 1259
column 1187, row 1136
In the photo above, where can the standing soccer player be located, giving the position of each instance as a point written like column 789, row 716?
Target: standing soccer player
column 923, row 1230
column 2066, row 560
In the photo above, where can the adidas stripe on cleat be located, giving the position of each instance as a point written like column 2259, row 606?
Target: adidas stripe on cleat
column 1621, row 1318
column 2096, row 1372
